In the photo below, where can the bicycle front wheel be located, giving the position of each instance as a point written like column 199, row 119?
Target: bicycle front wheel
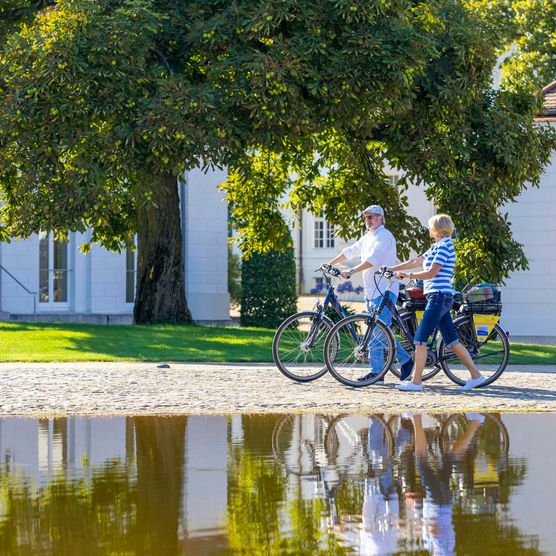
column 353, row 345
column 297, row 348
column 490, row 354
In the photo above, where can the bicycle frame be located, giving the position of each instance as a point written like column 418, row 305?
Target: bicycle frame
column 408, row 336
column 332, row 300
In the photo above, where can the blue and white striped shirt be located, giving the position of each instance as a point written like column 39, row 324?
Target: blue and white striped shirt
column 444, row 254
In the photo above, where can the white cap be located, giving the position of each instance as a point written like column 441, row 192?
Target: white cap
column 374, row 209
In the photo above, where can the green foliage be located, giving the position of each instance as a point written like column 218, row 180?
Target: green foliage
column 234, row 277
column 472, row 148
column 268, row 287
column 100, row 98
column 533, row 62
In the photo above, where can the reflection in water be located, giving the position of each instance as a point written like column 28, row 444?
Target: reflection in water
column 294, row 484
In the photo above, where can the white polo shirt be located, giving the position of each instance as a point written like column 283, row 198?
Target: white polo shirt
column 377, row 247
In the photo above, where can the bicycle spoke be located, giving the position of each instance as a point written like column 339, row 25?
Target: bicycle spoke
column 490, row 356
column 354, row 358
column 298, row 345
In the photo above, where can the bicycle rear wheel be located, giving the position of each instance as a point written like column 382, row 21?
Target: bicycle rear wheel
column 492, row 436
column 347, row 356
column 297, row 348
column 490, row 355
column 432, row 367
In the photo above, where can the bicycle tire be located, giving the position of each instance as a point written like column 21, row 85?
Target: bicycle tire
column 408, row 317
column 298, row 443
column 490, row 356
column 348, row 438
column 295, row 360
column 347, row 360
column 493, row 424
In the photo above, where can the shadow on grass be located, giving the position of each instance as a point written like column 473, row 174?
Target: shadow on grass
column 80, row 342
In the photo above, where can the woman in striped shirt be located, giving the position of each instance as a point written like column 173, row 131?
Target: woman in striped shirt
column 438, row 268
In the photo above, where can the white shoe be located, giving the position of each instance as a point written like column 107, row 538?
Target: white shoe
column 472, row 383
column 410, row 387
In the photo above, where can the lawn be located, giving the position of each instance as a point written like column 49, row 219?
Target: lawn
column 89, row 342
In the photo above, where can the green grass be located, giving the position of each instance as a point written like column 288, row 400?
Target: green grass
column 89, row 342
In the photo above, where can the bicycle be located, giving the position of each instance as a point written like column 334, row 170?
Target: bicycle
column 346, row 349
column 297, row 347
column 352, row 336
column 487, row 344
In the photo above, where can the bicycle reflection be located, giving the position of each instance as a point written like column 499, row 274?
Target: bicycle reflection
column 410, row 482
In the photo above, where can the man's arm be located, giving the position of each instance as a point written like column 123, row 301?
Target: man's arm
column 340, row 258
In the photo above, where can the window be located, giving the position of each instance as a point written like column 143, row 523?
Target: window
column 129, row 276
column 393, row 179
column 324, row 233
column 53, row 269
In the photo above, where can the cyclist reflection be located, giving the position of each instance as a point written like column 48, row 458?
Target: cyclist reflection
column 434, row 469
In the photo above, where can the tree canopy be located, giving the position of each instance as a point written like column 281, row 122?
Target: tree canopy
column 105, row 102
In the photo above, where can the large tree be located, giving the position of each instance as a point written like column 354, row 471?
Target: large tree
column 105, row 103
column 100, row 114
column 472, row 148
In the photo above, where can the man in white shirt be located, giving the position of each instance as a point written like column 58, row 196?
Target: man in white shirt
column 375, row 249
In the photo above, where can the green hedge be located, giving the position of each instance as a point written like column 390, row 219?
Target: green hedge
column 268, row 289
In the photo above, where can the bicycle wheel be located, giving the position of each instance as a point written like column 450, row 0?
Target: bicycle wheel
column 297, row 348
column 359, row 443
column 299, row 445
column 347, row 356
column 432, row 367
column 492, row 436
column 489, row 355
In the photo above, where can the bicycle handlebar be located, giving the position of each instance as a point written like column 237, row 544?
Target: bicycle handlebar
column 329, row 269
column 386, row 272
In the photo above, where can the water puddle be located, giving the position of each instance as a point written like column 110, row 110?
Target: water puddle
column 279, row 484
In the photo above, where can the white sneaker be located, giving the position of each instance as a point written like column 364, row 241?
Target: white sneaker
column 410, row 387
column 472, row 383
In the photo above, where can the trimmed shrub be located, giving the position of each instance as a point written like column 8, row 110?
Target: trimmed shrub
column 268, row 289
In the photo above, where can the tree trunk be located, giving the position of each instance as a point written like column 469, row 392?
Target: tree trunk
column 160, row 294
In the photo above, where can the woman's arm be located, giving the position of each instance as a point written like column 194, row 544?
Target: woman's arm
column 411, row 263
column 424, row 275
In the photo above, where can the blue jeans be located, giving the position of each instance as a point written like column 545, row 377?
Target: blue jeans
column 437, row 315
column 378, row 341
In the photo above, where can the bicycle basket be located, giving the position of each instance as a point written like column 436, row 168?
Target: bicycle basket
column 483, row 293
column 486, row 307
column 415, row 292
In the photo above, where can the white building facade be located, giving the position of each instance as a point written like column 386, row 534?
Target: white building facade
column 47, row 280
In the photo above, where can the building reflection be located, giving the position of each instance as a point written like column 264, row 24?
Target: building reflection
column 377, row 484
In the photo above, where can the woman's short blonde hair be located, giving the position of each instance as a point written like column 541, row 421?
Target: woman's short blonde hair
column 442, row 224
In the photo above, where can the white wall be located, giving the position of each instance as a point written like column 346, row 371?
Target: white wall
column 107, row 281
column 206, row 245
column 528, row 297
column 97, row 280
column 20, row 257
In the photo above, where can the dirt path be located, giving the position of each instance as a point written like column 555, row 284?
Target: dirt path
column 48, row 389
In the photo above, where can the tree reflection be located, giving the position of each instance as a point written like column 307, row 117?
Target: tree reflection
column 123, row 506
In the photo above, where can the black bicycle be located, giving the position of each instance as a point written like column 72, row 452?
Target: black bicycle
column 355, row 339
column 297, row 348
